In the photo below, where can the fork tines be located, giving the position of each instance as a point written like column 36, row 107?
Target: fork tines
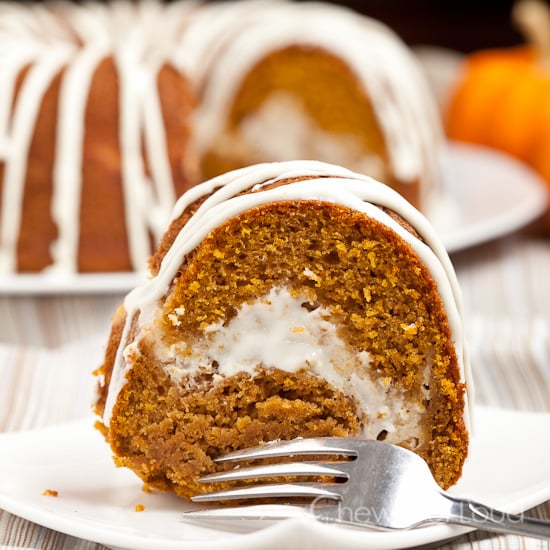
column 335, row 446
column 326, row 447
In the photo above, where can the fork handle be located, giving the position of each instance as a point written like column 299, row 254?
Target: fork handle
column 473, row 514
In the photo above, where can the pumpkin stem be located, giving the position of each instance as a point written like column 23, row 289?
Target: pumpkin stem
column 532, row 17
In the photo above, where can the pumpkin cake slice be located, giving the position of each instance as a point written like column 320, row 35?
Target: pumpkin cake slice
column 287, row 299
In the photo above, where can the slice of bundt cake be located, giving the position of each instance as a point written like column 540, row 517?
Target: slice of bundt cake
column 313, row 80
column 287, row 299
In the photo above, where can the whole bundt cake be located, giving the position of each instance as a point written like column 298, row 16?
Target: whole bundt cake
column 287, row 299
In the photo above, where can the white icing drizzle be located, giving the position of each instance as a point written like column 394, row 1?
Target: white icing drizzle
column 380, row 61
column 155, row 143
column 68, row 152
column 17, row 143
column 210, row 27
column 337, row 185
column 134, row 182
column 75, row 38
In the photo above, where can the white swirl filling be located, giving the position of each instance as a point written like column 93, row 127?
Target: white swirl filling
column 287, row 332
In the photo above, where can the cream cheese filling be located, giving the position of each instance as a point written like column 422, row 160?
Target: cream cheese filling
column 283, row 130
column 287, row 332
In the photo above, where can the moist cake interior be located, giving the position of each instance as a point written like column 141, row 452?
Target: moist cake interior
column 233, row 359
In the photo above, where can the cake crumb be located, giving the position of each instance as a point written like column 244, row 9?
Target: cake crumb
column 312, row 276
column 50, row 493
column 174, row 320
column 139, row 507
column 409, row 329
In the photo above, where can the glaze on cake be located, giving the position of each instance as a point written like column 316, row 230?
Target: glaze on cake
column 287, row 299
column 94, row 133
column 286, row 81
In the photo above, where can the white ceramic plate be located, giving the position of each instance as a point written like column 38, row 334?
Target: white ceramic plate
column 28, row 284
column 486, row 195
column 509, row 468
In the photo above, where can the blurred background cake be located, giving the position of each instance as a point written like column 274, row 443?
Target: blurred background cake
column 94, row 134
column 288, row 81
column 110, row 111
column 287, row 299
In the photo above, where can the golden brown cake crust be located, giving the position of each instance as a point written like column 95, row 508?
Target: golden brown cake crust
column 106, row 369
column 103, row 244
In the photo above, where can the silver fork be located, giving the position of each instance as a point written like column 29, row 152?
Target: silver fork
column 374, row 484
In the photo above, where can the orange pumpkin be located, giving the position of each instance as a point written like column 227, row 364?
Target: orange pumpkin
column 502, row 99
